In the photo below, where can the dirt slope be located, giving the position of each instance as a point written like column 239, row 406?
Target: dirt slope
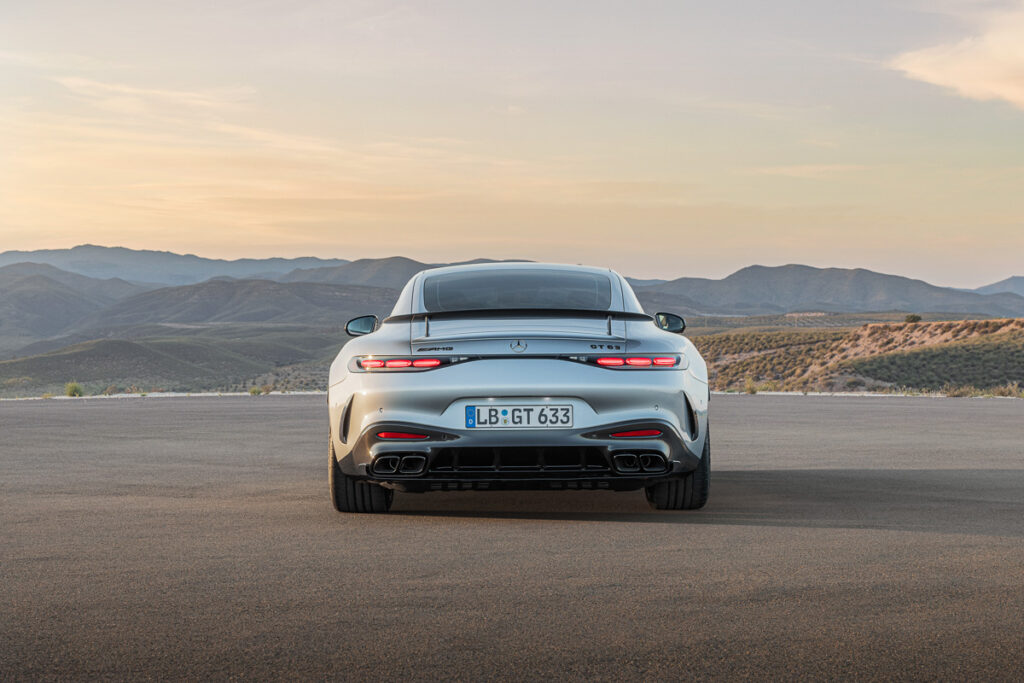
column 917, row 355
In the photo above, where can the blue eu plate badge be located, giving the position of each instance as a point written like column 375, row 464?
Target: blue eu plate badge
column 470, row 416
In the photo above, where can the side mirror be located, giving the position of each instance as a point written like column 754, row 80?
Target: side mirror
column 670, row 322
column 364, row 324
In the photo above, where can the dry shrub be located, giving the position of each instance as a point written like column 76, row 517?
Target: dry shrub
column 961, row 391
column 1010, row 389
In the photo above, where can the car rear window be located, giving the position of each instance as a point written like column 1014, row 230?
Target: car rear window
column 510, row 289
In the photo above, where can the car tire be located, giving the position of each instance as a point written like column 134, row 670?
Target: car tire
column 348, row 494
column 686, row 493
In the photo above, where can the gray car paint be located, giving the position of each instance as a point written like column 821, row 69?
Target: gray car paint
column 437, row 398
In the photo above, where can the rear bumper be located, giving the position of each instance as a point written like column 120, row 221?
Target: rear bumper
column 437, row 400
column 583, row 457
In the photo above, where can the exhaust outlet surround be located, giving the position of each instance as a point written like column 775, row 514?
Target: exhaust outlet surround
column 412, row 464
column 626, row 462
column 652, row 462
column 386, row 464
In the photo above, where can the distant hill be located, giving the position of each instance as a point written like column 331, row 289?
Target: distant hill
column 758, row 290
column 37, row 300
column 236, row 301
column 145, row 363
column 181, row 358
column 640, row 282
column 392, row 272
column 38, row 306
column 654, row 301
column 160, row 267
column 1014, row 285
column 102, row 290
column 984, row 354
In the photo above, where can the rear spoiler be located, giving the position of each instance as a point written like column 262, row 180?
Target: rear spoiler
column 518, row 313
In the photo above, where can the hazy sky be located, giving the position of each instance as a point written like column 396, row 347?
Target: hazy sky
column 659, row 138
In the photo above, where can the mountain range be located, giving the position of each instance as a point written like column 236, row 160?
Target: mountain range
column 159, row 267
column 40, row 300
column 760, row 290
column 143, row 318
column 154, row 268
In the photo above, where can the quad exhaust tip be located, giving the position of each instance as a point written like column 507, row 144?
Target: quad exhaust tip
column 629, row 463
column 386, row 464
column 399, row 464
column 412, row 464
column 626, row 462
column 652, row 462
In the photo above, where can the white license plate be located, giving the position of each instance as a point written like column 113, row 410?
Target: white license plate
column 518, row 417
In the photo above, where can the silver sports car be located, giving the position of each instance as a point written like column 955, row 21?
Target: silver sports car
column 518, row 375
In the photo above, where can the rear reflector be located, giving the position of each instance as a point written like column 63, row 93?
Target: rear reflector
column 636, row 433
column 426, row 362
column 400, row 435
column 610, row 361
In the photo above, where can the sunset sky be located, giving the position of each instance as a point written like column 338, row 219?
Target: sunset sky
column 659, row 138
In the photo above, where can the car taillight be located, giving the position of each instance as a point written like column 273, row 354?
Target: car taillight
column 626, row 362
column 398, row 364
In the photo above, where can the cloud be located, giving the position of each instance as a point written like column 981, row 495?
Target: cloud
column 986, row 66
column 141, row 97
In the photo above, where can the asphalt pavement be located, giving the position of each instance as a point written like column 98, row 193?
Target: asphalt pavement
column 169, row 538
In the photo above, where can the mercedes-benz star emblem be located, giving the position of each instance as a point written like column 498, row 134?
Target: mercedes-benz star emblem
column 517, row 346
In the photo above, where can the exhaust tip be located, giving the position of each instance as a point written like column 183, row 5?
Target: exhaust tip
column 412, row 464
column 626, row 462
column 652, row 462
column 386, row 464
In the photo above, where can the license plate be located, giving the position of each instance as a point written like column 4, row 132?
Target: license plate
column 519, row 417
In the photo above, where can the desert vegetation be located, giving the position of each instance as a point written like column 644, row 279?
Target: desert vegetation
column 984, row 362
column 964, row 357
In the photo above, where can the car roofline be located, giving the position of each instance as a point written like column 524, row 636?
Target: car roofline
column 513, row 265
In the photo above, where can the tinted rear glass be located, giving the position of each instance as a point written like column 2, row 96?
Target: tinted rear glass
column 526, row 288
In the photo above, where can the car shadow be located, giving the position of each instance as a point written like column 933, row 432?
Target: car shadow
column 988, row 502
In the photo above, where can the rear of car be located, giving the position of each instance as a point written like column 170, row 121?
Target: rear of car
column 518, row 375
